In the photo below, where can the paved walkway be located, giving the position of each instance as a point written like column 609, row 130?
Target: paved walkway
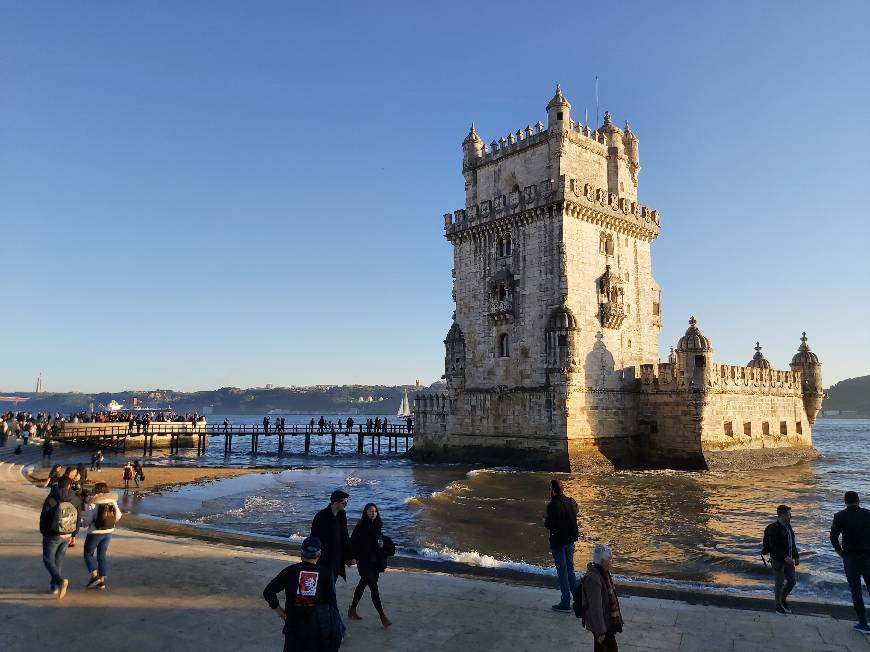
column 169, row 593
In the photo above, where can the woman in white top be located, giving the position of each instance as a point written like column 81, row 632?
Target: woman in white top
column 101, row 515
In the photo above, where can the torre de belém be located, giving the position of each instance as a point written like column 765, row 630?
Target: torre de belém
column 552, row 360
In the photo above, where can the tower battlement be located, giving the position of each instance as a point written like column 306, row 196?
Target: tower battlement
column 578, row 198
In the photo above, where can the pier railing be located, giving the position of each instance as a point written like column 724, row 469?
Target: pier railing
column 116, row 436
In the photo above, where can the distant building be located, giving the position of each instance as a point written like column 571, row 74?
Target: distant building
column 552, row 357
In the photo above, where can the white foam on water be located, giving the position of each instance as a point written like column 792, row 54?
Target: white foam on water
column 474, row 558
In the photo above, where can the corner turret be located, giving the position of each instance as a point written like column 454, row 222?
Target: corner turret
column 694, row 355
column 472, row 147
column 807, row 362
column 558, row 112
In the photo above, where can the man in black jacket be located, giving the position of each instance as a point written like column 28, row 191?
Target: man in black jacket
column 853, row 524
column 330, row 526
column 780, row 544
column 305, row 585
column 561, row 521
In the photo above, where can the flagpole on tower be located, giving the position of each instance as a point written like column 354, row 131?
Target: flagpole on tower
column 596, row 102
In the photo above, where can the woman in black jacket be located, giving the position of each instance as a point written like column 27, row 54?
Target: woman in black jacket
column 367, row 542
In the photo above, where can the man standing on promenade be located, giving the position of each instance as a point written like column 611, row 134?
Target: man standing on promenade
column 330, row 527
column 306, row 585
column 779, row 543
column 58, row 520
column 561, row 521
column 853, row 523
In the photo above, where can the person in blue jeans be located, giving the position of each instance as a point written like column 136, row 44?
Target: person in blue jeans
column 101, row 515
column 54, row 543
column 853, row 525
column 561, row 521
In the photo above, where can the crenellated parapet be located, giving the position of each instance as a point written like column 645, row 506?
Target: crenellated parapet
column 724, row 377
column 577, row 198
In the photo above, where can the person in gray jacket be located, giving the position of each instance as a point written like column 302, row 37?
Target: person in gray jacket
column 601, row 613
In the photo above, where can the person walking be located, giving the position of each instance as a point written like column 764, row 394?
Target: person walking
column 58, row 520
column 128, row 476
column 601, row 614
column 367, row 542
column 310, row 611
column 321, row 423
column 226, row 425
column 138, row 473
column 853, row 525
column 779, row 543
column 47, row 451
column 101, row 515
column 561, row 521
column 266, row 425
column 330, row 527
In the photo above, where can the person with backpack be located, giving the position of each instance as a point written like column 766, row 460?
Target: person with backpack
column 853, row 524
column 58, row 520
column 779, row 543
column 101, row 515
column 370, row 549
column 310, row 612
column 596, row 602
column 561, row 521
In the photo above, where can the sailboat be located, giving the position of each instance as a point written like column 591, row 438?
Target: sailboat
column 405, row 409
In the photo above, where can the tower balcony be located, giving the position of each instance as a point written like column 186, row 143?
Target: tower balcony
column 501, row 311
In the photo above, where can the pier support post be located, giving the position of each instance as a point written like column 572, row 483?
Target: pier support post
column 307, row 442
column 332, row 448
column 280, row 442
column 151, row 446
column 359, row 442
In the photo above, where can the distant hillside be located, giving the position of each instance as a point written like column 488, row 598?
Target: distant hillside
column 850, row 395
column 334, row 399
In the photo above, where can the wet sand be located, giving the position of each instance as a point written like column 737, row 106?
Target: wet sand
column 156, row 477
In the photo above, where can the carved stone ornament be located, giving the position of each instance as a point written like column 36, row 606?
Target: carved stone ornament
column 499, row 204
column 529, row 194
column 589, row 192
column 485, row 208
column 514, row 200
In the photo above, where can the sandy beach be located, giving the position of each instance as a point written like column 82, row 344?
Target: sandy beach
column 156, row 477
column 177, row 592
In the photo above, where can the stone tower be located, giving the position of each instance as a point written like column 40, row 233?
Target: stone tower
column 554, row 295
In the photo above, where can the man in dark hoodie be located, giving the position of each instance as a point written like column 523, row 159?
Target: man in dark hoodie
column 330, row 527
column 57, row 521
column 306, row 585
column 561, row 521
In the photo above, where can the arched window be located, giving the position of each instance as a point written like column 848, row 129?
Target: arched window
column 608, row 245
column 502, row 292
column 499, row 246
column 503, row 346
column 507, row 245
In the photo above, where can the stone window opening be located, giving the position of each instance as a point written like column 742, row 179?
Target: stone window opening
column 605, row 244
column 729, row 429
column 503, row 346
column 783, row 428
column 765, row 428
column 700, row 361
column 657, row 309
column 798, row 427
column 558, row 115
column 747, row 429
column 503, row 246
column 501, row 292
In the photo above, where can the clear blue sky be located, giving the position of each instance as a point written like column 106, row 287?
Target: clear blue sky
column 199, row 194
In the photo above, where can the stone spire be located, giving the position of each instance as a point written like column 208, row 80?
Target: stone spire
column 758, row 360
column 472, row 146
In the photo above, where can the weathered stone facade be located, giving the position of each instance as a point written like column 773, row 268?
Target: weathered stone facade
column 553, row 356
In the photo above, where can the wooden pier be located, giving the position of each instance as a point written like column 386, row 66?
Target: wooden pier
column 118, row 437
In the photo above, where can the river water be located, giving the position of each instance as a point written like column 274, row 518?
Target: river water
column 670, row 527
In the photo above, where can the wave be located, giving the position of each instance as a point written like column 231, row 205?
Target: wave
column 474, row 558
